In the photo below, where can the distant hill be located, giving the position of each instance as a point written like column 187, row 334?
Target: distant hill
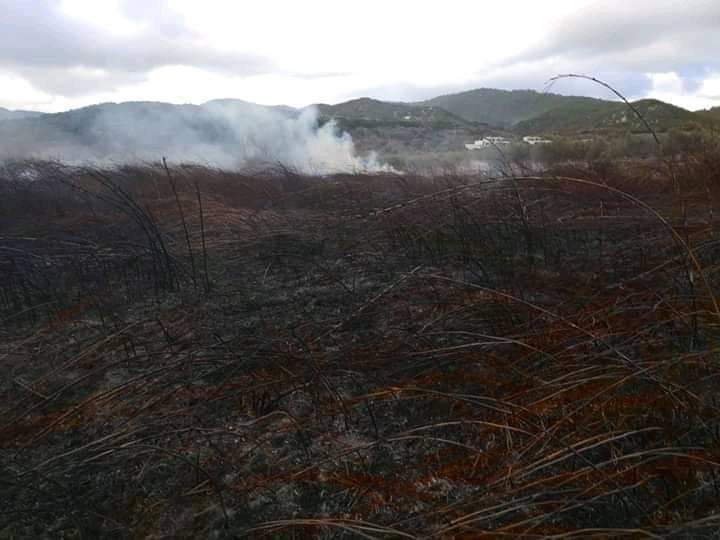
column 711, row 115
column 366, row 112
column 238, row 106
column 610, row 116
column 6, row 114
column 504, row 108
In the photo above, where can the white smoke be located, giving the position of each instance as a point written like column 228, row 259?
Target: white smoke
column 298, row 142
column 226, row 134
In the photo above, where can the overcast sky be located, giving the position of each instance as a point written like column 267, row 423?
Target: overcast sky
column 62, row 54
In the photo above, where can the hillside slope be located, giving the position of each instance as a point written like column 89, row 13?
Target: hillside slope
column 368, row 112
column 610, row 116
column 712, row 115
column 6, row 114
column 505, row 108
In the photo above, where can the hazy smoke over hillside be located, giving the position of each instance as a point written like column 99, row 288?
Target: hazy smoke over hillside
column 228, row 134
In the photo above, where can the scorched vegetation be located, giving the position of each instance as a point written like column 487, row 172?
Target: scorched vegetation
column 188, row 352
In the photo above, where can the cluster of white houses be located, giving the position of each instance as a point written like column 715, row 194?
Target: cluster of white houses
column 487, row 142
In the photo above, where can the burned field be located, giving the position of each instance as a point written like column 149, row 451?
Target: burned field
column 194, row 353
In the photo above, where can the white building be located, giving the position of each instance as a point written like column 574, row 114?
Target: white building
column 536, row 140
column 486, row 142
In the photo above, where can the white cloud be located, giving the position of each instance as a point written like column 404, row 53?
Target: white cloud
column 17, row 93
column 671, row 87
column 710, row 89
column 668, row 83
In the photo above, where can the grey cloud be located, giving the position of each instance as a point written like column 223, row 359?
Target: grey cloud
column 75, row 83
column 38, row 41
column 620, row 26
column 642, row 35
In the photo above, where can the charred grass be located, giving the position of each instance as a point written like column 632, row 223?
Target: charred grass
column 194, row 353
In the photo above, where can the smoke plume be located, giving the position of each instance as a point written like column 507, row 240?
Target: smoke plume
column 228, row 134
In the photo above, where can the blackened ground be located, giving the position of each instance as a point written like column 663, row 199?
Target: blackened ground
column 359, row 356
